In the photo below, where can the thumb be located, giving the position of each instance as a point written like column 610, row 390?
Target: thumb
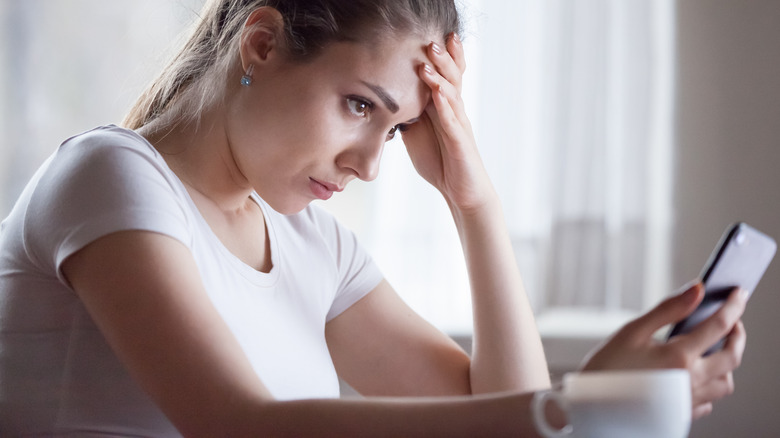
column 669, row 311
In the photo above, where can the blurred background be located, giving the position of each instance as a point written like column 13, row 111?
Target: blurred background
column 623, row 136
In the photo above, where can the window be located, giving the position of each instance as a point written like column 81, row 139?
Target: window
column 70, row 66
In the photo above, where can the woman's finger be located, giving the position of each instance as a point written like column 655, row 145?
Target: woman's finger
column 447, row 103
column 669, row 311
column 433, row 79
column 702, row 410
column 735, row 344
column 714, row 389
column 455, row 48
column 445, row 117
column 717, row 326
column 729, row 358
column 446, row 66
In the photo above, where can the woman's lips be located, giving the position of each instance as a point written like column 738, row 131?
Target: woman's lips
column 321, row 190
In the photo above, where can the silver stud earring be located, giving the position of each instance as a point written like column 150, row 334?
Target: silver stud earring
column 246, row 80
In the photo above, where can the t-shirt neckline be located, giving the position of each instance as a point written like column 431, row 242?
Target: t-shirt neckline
column 265, row 279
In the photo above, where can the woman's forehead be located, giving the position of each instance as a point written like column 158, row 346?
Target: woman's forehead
column 381, row 55
column 392, row 61
column 393, row 67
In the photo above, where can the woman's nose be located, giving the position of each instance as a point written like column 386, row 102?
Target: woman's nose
column 363, row 160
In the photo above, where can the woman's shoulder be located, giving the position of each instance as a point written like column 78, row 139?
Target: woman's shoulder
column 110, row 138
column 108, row 155
column 104, row 180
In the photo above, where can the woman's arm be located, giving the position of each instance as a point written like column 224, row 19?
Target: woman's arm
column 508, row 353
column 144, row 293
column 380, row 346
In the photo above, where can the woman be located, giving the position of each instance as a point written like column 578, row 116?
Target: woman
column 170, row 277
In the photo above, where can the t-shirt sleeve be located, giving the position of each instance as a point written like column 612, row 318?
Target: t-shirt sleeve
column 358, row 274
column 95, row 185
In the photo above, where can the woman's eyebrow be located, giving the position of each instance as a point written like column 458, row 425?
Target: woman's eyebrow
column 383, row 96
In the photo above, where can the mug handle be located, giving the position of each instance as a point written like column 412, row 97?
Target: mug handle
column 540, row 419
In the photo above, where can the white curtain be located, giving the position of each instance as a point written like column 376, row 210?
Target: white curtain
column 572, row 106
column 69, row 65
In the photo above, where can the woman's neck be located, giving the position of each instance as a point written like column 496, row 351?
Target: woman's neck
column 199, row 153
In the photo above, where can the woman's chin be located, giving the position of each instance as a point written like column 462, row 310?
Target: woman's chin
column 286, row 206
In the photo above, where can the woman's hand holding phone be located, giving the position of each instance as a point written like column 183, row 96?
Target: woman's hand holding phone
column 708, row 337
column 634, row 346
column 739, row 260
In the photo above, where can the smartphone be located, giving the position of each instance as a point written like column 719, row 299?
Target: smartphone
column 739, row 260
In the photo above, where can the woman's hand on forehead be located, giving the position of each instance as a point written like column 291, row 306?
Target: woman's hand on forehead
column 442, row 145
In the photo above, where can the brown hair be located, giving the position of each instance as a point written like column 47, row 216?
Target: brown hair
column 196, row 76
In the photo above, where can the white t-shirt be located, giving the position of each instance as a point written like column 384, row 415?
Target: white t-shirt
column 57, row 373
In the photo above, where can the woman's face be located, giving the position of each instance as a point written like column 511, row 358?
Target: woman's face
column 303, row 131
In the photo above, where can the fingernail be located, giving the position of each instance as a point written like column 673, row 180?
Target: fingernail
column 436, row 48
column 428, row 69
column 744, row 294
column 456, row 37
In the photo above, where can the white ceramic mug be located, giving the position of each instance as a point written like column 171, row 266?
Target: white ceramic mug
column 619, row 404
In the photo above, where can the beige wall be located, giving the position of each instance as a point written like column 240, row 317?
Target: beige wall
column 728, row 168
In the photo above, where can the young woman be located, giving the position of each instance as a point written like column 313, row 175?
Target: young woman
column 171, row 277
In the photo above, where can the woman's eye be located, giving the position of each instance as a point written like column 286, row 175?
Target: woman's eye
column 391, row 133
column 358, row 107
column 402, row 127
column 397, row 128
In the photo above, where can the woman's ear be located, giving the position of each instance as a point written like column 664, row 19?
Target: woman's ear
column 263, row 33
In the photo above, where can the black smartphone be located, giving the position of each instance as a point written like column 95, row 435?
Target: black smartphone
column 739, row 260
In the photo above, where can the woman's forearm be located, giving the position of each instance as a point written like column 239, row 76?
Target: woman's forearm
column 507, row 352
column 451, row 417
